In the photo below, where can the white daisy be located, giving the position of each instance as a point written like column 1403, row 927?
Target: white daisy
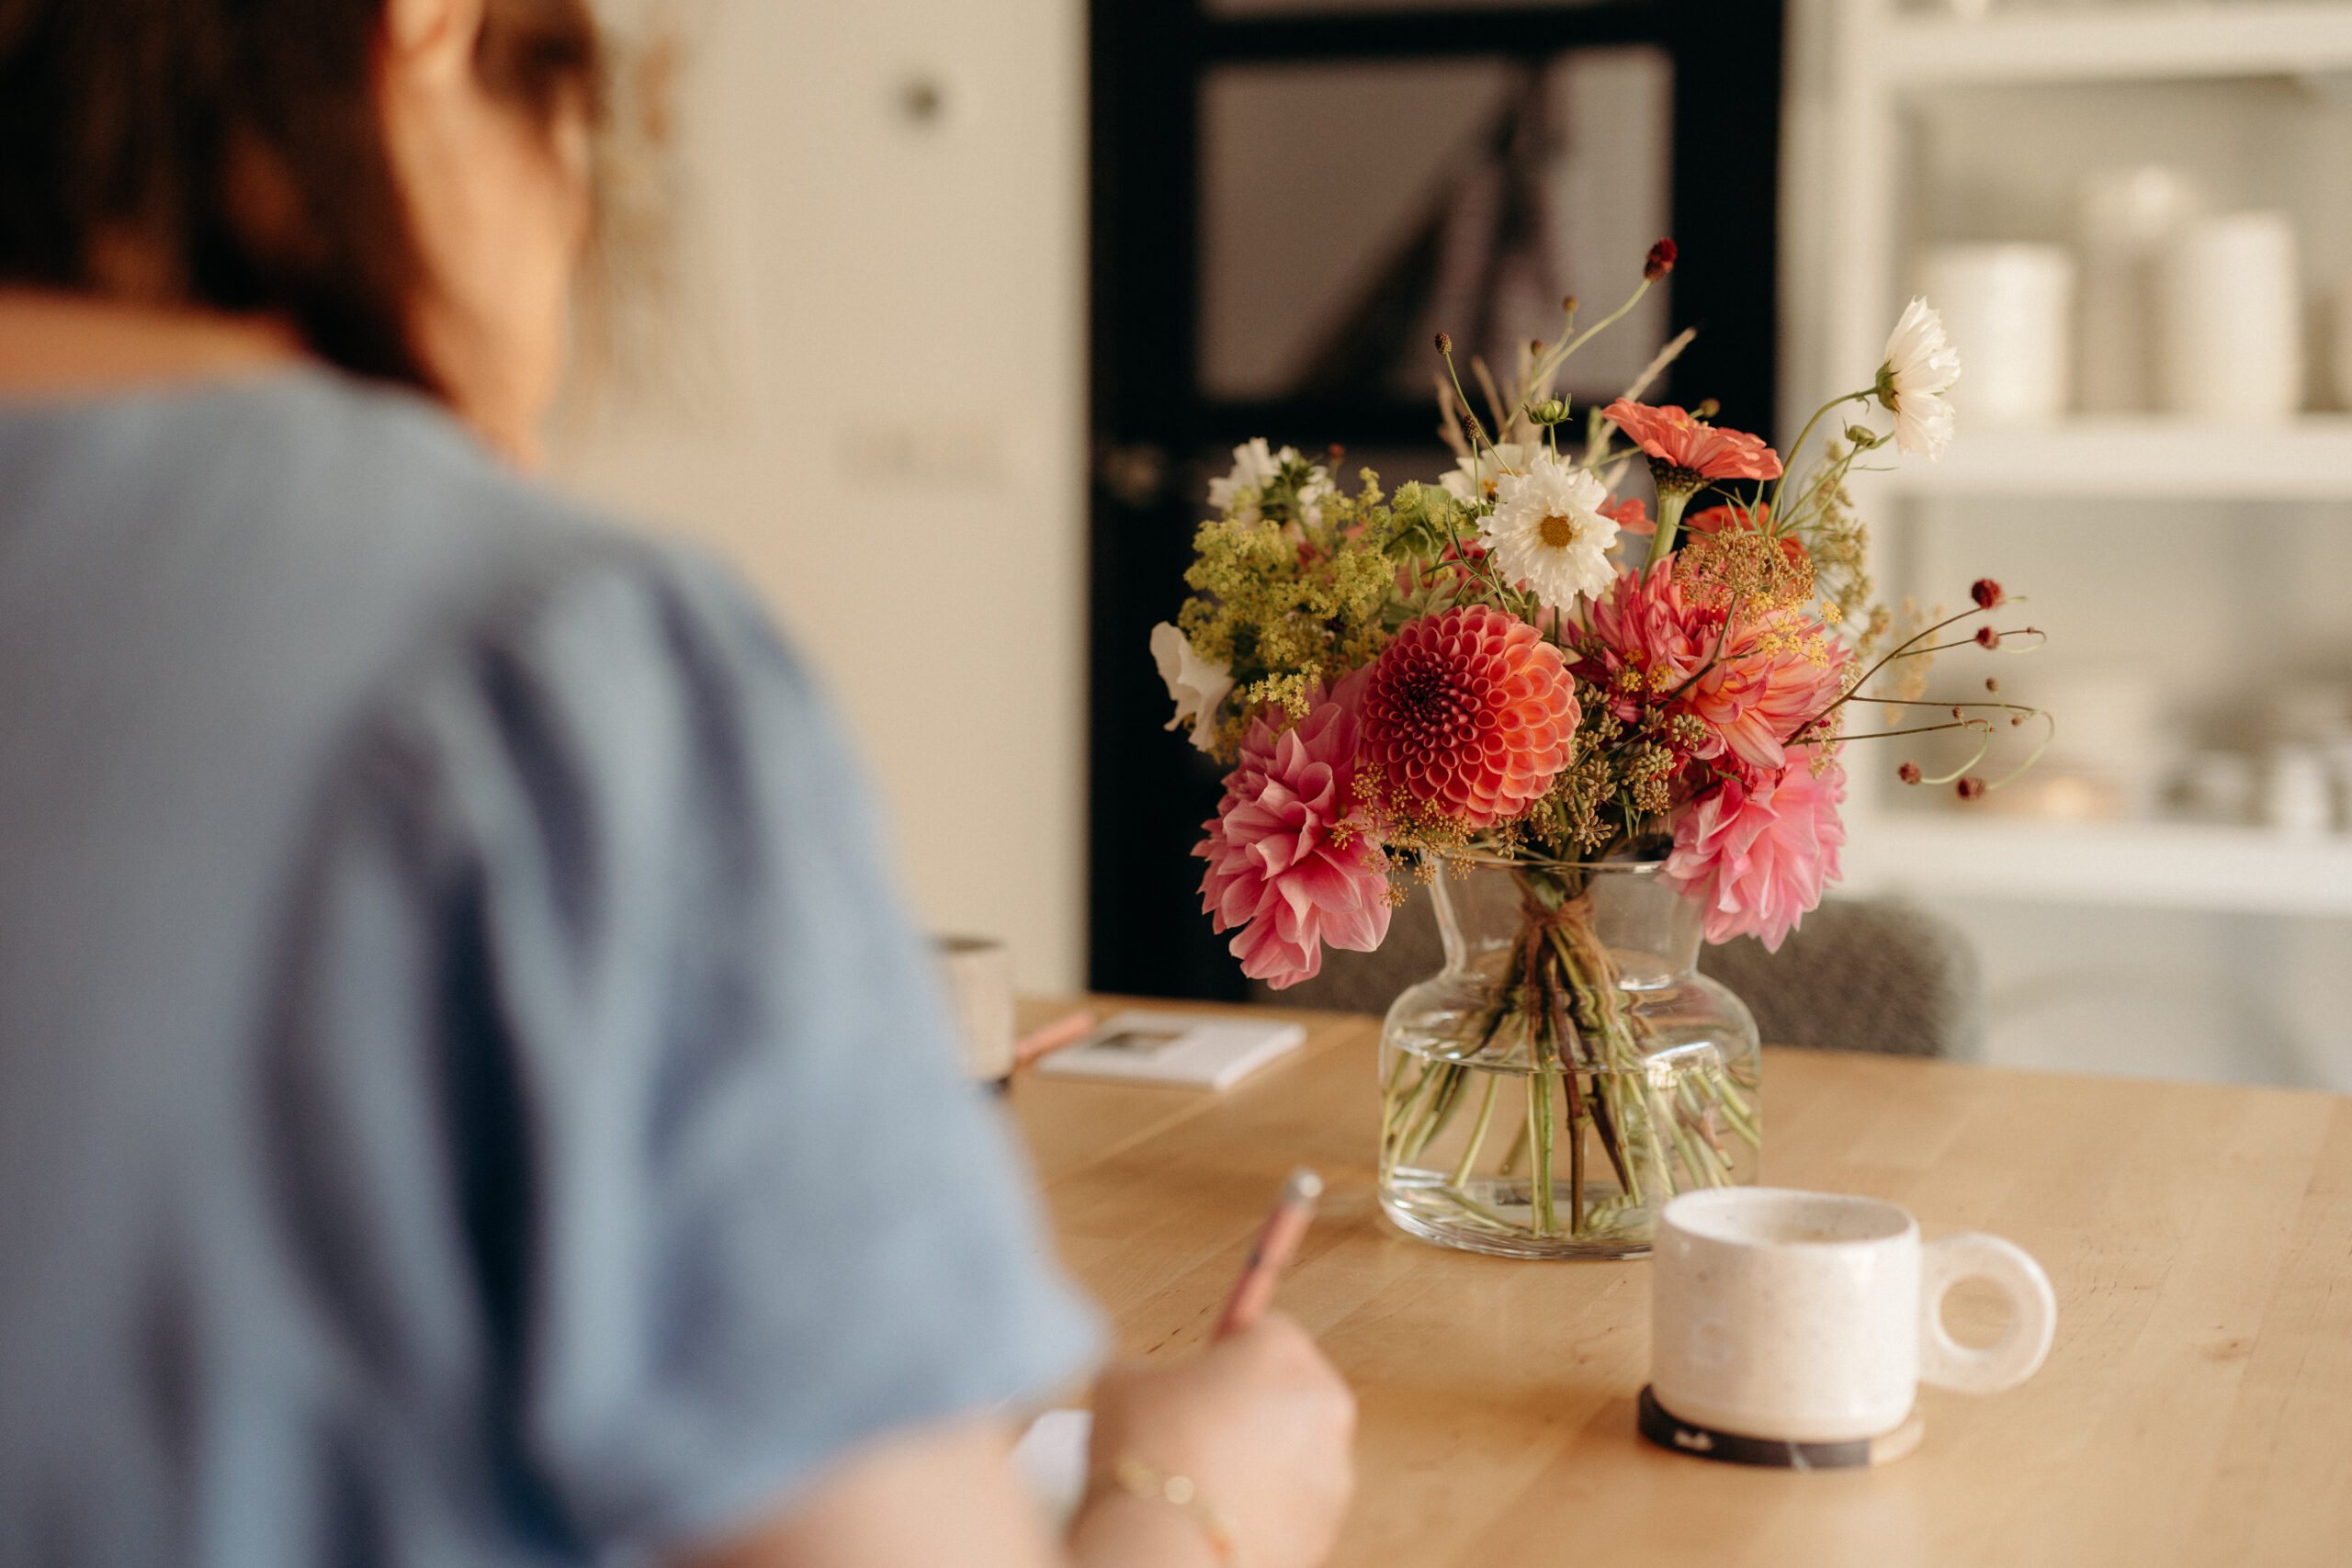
column 1474, row 475
column 1921, row 365
column 1197, row 685
column 1548, row 531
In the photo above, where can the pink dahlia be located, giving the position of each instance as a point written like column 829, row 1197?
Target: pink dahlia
column 1676, row 439
column 1757, row 858
column 1772, row 676
column 1468, row 714
column 1289, row 859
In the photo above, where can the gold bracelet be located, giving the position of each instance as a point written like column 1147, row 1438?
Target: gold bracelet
column 1137, row 1478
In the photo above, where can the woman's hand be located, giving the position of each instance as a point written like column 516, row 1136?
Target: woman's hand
column 1259, row 1422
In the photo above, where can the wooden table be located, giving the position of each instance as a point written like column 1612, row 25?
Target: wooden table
column 2197, row 1408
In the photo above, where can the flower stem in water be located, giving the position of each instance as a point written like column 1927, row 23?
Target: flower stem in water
column 1539, row 1123
column 1478, row 1131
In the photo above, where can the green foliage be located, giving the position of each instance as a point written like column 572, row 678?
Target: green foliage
column 1296, row 585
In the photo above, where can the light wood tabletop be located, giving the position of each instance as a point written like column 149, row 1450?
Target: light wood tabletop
column 2197, row 1408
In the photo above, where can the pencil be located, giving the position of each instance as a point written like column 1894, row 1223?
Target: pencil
column 1277, row 1243
column 1068, row 1029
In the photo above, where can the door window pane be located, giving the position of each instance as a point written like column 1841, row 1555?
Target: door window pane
column 1349, row 212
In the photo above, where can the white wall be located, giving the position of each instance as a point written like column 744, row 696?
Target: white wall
column 872, row 402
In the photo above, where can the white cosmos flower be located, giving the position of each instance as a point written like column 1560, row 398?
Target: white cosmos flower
column 1256, row 466
column 1472, row 475
column 1198, row 685
column 1548, row 531
column 1253, row 467
column 1313, row 494
column 1921, row 365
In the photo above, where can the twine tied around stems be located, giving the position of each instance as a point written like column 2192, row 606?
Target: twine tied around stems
column 1573, row 914
column 1544, row 967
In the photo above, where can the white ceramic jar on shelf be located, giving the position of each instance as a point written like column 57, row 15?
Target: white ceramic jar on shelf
column 2010, row 309
column 2127, row 220
column 2230, row 309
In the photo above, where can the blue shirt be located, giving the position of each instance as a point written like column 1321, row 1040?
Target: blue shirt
column 467, row 1093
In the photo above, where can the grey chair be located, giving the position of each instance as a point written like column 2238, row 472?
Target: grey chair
column 1860, row 974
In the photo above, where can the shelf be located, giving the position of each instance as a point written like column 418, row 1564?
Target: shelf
column 2147, row 864
column 2310, row 460
column 2139, row 43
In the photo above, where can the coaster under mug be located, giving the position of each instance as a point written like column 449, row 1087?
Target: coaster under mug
column 1661, row 1427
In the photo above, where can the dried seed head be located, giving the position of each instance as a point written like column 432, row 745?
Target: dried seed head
column 1986, row 592
column 1971, row 788
column 1908, row 773
column 1659, row 262
column 1444, row 344
column 1987, row 638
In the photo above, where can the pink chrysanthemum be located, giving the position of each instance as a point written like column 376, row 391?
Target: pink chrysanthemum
column 1675, row 438
column 1772, row 676
column 1758, row 858
column 1751, row 690
column 1646, row 640
column 1468, row 714
column 1290, row 862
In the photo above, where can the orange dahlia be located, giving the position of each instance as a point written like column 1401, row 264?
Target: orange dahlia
column 1468, row 714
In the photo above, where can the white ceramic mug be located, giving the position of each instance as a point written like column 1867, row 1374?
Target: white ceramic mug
column 1813, row 1317
column 978, row 973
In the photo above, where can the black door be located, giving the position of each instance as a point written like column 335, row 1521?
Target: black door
column 1281, row 205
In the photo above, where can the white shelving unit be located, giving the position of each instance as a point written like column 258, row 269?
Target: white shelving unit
column 2118, row 43
column 2150, row 458
column 2169, row 866
column 1855, row 68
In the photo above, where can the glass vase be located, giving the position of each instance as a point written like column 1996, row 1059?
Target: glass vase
column 1568, row 1070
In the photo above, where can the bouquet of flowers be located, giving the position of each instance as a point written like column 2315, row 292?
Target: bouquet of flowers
column 1470, row 673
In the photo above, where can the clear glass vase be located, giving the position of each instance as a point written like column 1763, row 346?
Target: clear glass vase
column 1567, row 1071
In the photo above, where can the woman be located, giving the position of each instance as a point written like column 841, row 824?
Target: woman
column 465, row 1096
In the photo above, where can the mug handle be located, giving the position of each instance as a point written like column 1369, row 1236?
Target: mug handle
column 2033, row 1314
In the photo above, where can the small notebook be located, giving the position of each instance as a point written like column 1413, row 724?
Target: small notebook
column 1175, row 1048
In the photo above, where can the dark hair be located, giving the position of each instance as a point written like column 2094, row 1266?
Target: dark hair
column 230, row 154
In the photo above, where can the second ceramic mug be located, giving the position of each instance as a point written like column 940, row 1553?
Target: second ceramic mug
column 978, row 971
column 1814, row 1317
